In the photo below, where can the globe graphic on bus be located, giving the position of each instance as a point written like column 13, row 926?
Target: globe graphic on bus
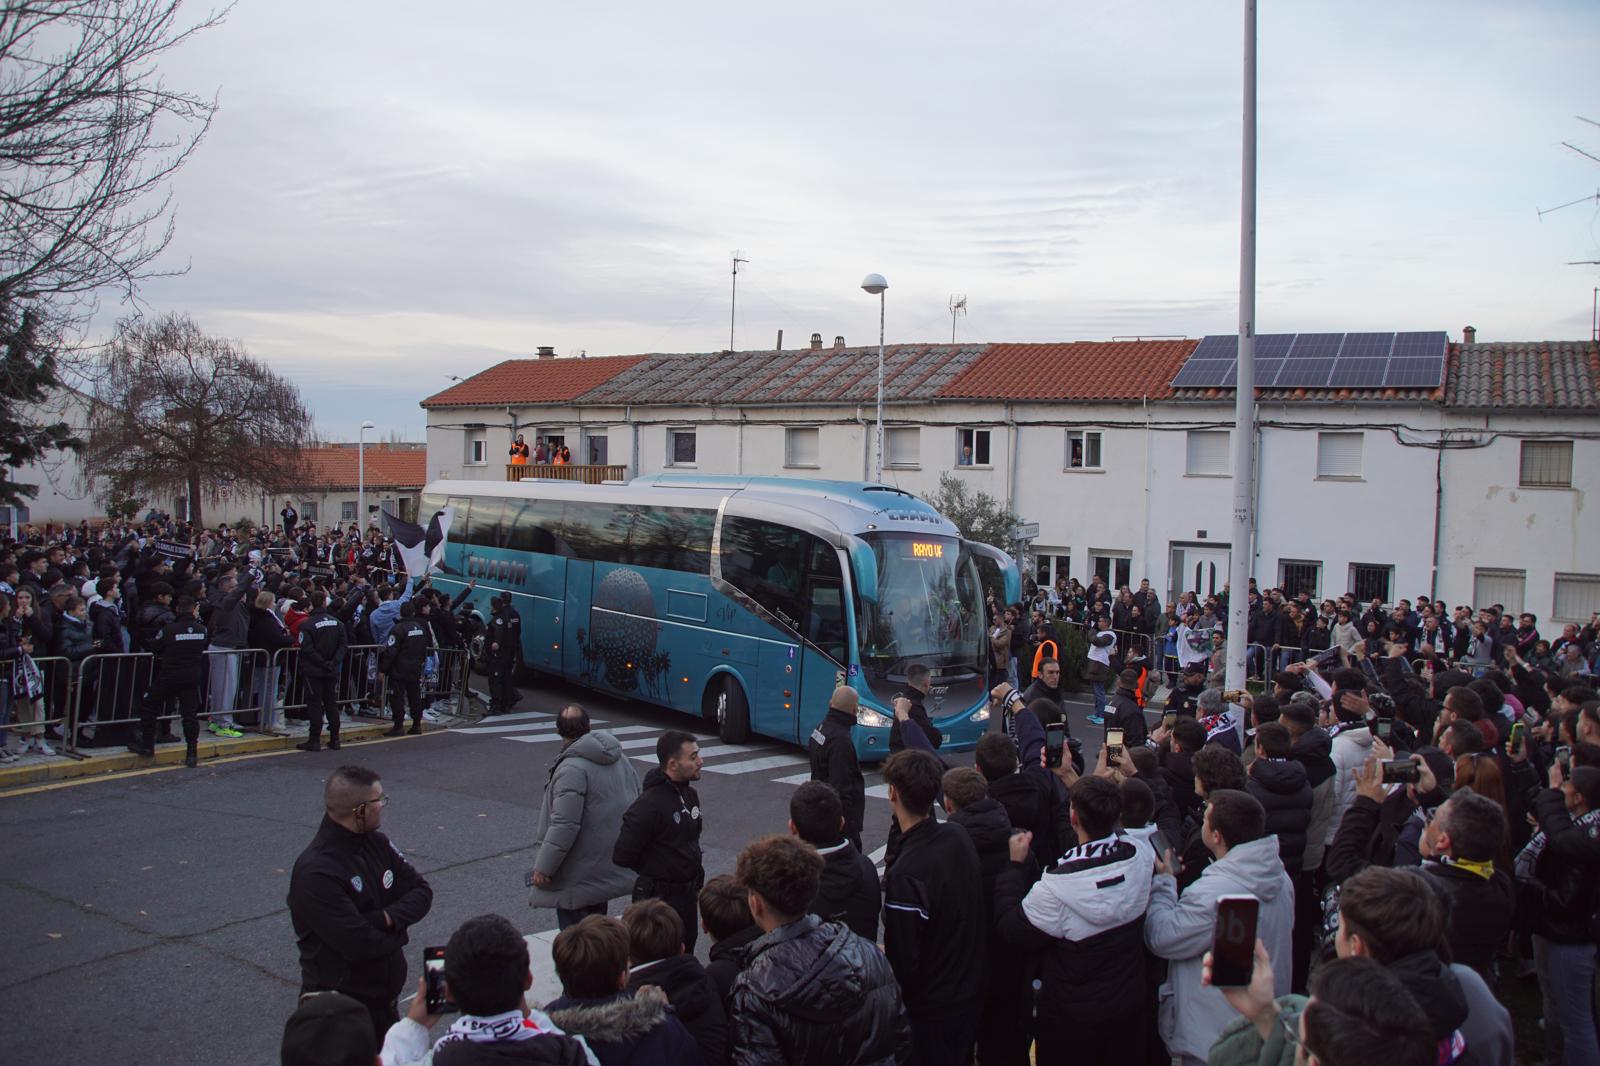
column 624, row 641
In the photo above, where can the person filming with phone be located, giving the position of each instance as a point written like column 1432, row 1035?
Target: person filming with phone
column 1181, row 929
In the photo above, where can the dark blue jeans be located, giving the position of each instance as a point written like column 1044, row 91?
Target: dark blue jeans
column 565, row 917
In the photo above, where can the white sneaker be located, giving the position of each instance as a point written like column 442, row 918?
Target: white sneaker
column 7, row 755
column 431, row 715
column 39, row 747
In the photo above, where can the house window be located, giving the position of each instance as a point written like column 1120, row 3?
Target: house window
column 596, row 447
column 347, row 511
column 1298, row 575
column 903, row 445
column 1505, row 587
column 1577, row 597
column 800, row 446
column 972, row 447
column 1371, row 581
column 680, row 447
column 1083, row 449
column 1207, row 453
column 553, row 440
column 1546, row 464
column 1112, row 567
column 308, row 511
column 477, row 448
column 1339, row 455
column 1052, row 565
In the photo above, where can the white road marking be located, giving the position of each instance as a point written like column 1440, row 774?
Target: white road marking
column 750, row 766
column 538, row 738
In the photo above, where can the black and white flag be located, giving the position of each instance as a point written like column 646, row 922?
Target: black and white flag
column 421, row 551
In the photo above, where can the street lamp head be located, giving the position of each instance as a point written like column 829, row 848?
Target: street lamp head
column 874, row 283
column 368, row 425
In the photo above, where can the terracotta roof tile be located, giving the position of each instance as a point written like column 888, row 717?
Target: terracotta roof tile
column 1550, row 375
column 1082, row 370
column 533, row 381
column 386, row 467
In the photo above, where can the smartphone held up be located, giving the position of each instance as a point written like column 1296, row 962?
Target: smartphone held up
column 433, row 974
column 1233, row 941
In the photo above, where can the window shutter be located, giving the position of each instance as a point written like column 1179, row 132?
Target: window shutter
column 904, row 445
column 1208, row 451
column 1577, row 596
column 803, row 445
column 1504, row 587
column 1339, row 454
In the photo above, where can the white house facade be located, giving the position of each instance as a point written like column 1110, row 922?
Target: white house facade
column 1449, row 491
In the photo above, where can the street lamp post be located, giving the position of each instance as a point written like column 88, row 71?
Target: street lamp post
column 876, row 285
column 361, row 479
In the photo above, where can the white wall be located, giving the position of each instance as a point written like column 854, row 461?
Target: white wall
column 65, row 494
column 1490, row 521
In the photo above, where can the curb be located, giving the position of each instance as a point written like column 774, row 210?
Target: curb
column 212, row 747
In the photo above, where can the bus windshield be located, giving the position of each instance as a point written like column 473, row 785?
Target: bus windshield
column 929, row 607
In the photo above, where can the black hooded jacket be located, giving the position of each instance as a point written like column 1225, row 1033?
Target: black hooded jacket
column 1479, row 911
column 694, row 998
column 1283, row 788
column 990, row 829
column 1436, row 989
column 832, row 750
column 727, row 961
column 813, row 991
column 660, row 835
column 919, row 717
column 849, row 891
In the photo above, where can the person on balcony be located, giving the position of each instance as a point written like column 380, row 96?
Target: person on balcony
column 519, row 451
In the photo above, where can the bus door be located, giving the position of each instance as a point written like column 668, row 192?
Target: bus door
column 826, row 632
column 578, row 660
column 528, row 531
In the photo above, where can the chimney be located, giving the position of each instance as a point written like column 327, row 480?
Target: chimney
column 780, row 340
column 1469, row 334
column 816, row 342
column 546, row 352
column 838, row 342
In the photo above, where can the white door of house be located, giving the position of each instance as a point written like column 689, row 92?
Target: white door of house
column 1204, row 571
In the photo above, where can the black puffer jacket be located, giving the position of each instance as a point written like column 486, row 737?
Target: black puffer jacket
column 849, row 891
column 1479, row 912
column 727, row 961
column 1283, row 788
column 660, row 837
column 694, row 998
column 813, row 991
column 1126, row 715
column 323, row 644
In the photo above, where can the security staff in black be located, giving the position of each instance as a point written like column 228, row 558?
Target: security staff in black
column 505, row 650
column 180, row 664
column 832, row 749
column 660, row 835
column 352, row 897
column 401, row 660
column 919, row 682
column 323, row 643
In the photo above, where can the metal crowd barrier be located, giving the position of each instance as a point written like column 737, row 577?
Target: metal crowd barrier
column 360, row 691
column 54, row 711
column 110, row 688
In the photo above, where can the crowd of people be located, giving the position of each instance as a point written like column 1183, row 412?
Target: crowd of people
column 109, row 634
column 1408, row 842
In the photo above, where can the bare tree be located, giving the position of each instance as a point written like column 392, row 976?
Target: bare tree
column 177, row 411
column 89, row 136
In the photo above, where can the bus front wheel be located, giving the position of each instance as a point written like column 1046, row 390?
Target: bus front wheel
column 730, row 710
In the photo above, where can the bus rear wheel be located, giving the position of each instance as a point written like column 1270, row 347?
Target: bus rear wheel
column 730, row 710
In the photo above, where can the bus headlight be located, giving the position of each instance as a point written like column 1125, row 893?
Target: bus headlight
column 871, row 719
column 981, row 714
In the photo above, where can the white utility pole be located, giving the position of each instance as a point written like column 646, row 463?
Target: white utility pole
column 876, row 285
column 1242, row 556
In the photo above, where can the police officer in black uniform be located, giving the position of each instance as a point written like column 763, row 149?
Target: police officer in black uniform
column 180, row 658
column 832, row 749
column 323, row 643
column 352, row 897
column 505, row 651
column 660, row 835
column 402, row 659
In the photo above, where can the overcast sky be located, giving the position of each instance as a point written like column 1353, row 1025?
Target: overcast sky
column 396, row 192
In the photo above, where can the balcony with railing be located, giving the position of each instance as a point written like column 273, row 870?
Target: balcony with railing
column 589, row 475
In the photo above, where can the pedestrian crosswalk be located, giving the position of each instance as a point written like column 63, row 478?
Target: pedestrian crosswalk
column 639, row 742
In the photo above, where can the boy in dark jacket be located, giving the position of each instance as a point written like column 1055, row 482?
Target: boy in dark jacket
column 832, row 750
column 725, row 917
column 1283, row 788
column 655, row 950
column 934, row 927
column 848, row 890
column 591, row 959
column 812, row 991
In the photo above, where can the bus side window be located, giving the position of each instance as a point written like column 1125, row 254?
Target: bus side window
column 483, row 530
column 765, row 561
column 825, row 622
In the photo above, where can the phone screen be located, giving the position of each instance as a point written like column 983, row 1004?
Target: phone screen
column 1401, row 772
column 1233, row 943
column 433, row 971
column 1515, row 745
column 1169, row 719
column 1055, row 743
column 1113, row 744
column 1385, row 729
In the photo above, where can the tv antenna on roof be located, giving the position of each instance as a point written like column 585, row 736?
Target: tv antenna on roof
column 733, row 310
column 958, row 307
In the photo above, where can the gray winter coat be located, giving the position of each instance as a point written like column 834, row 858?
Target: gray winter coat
column 590, row 786
column 1193, row 1016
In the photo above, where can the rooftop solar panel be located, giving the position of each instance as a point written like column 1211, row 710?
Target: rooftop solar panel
column 1305, row 373
column 1316, row 346
column 1274, row 345
column 1414, row 373
column 1215, row 347
column 1358, row 373
column 1203, row 373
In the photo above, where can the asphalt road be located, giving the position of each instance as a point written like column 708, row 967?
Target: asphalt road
column 145, row 916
